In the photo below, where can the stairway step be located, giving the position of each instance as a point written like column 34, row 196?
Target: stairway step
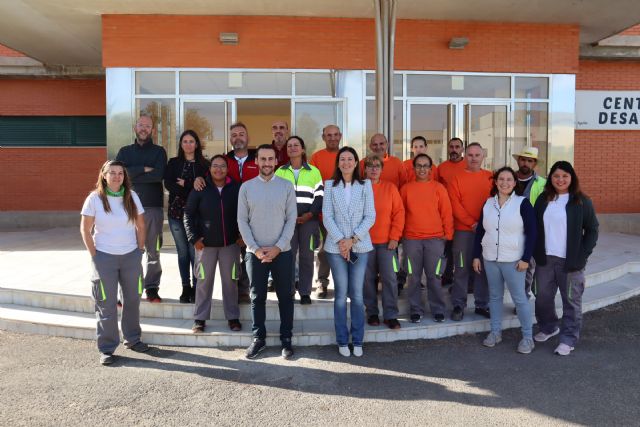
column 172, row 331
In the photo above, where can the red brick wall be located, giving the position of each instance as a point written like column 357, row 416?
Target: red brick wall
column 340, row 43
column 5, row 51
column 633, row 31
column 612, row 179
column 52, row 179
column 49, row 178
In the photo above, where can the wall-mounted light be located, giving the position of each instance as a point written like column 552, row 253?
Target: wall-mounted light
column 228, row 38
column 458, row 42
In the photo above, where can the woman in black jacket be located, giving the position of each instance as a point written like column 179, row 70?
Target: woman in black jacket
column 210, row 220
column 179, row 177
column 567, row 234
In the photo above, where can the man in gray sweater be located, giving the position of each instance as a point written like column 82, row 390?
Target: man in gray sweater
column 267, row 213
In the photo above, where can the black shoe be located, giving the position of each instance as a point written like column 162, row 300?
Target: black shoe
column 235, row 325
column 392, row 323
column 438, row 318
column 305, row 300
column 270, row 286
column 457, row 314
column 198, row 326
column 255, row 348
column 373, row 320
column 185, row 296
column 484, row 312
column 152, row 296
column 287, row 350
column 106, row 358
column 321, row 292
column 139, row 347
column 415, row 318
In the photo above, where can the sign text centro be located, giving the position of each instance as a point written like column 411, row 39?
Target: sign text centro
column 607, row 110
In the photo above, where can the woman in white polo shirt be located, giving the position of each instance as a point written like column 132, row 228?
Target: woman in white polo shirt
column 114, row 213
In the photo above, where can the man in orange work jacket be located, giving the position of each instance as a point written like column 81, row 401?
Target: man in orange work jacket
column 428, row 225
column 468, row 191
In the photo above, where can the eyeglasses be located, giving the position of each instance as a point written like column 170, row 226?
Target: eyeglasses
column 422, row 166
column 219, row 166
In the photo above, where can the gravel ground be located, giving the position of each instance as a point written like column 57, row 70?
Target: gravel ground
column 58, row 381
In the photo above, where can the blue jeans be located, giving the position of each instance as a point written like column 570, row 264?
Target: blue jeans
column 348, row 279
column 186, row 252
column 497, row 274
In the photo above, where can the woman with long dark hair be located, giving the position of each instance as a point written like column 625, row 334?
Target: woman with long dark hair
column 568, row 232
column 112, row 229
column 348, row 213
column 179, row 178
column 504, row 240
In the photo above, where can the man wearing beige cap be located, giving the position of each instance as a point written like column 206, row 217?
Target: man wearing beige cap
column 529, row 185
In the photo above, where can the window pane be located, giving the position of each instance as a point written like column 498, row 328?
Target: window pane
column 531, row 130
column 155, row 83
column 314, row 84
column 398, row 127
column 43, row 131
column 234, row 83
column 207, row 119
column 371, row 84
column 532, row 87
column 488, row 126
column 432, row 122
column 163, row 112
column 311, row 117
column 458, row 86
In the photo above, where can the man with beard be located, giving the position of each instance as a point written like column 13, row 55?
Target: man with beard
column 242, row 168
column 529, row 185
column 267, row 214
column 145, row 163
column 280, row 132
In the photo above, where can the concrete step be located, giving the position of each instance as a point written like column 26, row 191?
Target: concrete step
column 172, row 331
column 171, row 309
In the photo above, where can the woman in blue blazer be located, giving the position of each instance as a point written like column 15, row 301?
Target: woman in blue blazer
column 348, row 213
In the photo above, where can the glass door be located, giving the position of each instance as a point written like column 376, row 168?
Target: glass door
column 211, row 121
column 488, row 124
column 310, row 116
column 436, row 122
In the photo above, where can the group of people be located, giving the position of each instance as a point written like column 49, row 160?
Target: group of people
column 259, row 216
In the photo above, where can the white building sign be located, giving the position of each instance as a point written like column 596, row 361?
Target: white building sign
column 607, row 110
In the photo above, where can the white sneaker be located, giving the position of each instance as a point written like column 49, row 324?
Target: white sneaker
column 344, row 351
column 542, row 337
column 357, row 351
column 563, row 350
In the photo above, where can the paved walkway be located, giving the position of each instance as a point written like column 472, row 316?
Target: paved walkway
column 55, row 260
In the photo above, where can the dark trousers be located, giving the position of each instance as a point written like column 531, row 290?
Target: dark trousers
column 322, row 267
column 548, row 279
column 258, row 273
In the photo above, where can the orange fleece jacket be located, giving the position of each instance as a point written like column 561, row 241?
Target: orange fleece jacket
column 411, row 173
column 389, row 213
column 393, row 171
column 468, row 192
column 428, row 211
column 325, row 161
column 447, row 170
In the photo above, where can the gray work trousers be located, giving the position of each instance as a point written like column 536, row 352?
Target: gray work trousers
column 548, row 279
column 154, row 222
column 322, row 267
column 425, row 255
column 228, row 257
column 108, row 271
column 304, row 242
column 383, row 262
column 462, row 249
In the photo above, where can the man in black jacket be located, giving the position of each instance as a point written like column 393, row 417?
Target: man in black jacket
column 210, row 220
column 146, row 162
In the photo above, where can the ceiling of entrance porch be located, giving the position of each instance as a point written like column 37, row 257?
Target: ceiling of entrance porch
column 68, row 32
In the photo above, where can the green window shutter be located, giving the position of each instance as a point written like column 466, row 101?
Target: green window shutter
column 53, row 131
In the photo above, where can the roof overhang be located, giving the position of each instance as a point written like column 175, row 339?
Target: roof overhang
column 68, row 32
